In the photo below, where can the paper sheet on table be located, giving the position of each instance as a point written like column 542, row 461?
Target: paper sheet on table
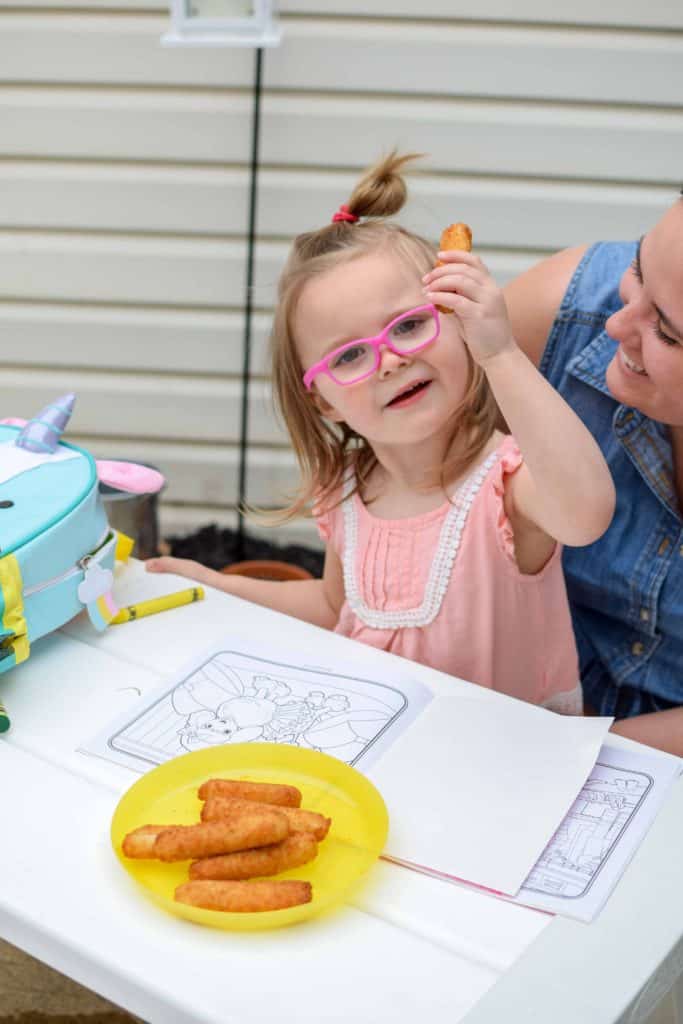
column 476, row 787
column 597, row 839
column 231, row 694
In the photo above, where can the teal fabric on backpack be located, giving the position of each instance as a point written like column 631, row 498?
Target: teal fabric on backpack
column 56, row 547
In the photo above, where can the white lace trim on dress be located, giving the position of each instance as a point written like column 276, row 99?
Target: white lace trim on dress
column 570, row 702
column 440, row 571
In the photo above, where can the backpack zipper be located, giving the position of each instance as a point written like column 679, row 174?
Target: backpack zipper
column 80, row 566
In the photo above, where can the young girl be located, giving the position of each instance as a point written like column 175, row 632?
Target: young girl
column 442, row 534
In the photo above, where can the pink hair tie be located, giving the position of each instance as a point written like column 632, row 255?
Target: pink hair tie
column 343, row 213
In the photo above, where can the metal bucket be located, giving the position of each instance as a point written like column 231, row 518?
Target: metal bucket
column 136, row 515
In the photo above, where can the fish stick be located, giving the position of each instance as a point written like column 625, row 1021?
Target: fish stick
column 455, row 236
column 244, row 897
column 140, row 842
column 189, row 842
column 292, row 852
column 261, row 792
column 219, row 808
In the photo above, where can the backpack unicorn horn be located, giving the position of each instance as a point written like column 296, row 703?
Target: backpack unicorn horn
column 42, row 433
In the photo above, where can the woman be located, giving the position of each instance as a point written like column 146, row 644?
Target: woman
column 605, row 325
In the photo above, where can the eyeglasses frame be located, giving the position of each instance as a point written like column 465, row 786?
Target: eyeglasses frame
column 322, row 366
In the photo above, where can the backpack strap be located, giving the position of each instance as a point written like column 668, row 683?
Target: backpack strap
column 14, row 635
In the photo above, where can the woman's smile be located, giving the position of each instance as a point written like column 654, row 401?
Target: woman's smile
column 630, row 364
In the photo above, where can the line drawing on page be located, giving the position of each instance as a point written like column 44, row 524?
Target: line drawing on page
column 233, row 697
column 588, row 836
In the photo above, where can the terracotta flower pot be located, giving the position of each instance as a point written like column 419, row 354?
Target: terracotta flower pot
column 264, row 570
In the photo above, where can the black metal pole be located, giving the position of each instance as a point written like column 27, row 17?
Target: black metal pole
column 249, row 302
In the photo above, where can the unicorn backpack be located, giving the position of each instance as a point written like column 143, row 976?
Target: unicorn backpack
column 57, row 549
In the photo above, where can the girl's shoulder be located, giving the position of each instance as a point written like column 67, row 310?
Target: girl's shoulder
column 326, row 510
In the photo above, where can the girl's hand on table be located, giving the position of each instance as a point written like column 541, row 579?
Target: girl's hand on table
column 192, row 570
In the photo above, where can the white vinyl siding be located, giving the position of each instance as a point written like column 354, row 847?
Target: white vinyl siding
column 124, row 187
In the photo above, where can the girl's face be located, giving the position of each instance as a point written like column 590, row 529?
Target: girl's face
column 647, row 370
column 410, row 398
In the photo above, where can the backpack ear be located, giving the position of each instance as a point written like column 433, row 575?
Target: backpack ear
column 129, row 476
column 42, row 433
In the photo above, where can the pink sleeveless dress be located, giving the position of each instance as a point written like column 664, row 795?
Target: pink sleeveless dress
column 443, row 589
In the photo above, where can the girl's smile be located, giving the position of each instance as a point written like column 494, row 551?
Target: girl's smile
column 409, row 394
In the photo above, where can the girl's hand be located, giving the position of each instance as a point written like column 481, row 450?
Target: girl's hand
column 464, row 285
column 181, row 567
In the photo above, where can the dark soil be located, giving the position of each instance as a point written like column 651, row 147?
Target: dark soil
column 220, row 547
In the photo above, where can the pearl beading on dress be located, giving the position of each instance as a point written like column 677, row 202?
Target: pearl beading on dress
column 440, row 571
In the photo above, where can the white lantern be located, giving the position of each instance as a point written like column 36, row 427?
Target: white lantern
column 223, row 23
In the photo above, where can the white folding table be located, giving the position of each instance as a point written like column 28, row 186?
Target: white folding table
column 408, row 947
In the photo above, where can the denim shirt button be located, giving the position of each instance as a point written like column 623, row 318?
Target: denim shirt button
column 637, row 648
column 680, row 551
column 644, row 615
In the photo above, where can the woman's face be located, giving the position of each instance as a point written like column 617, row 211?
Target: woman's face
column 647, row 370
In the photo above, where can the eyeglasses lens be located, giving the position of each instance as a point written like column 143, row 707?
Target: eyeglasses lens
column 413, row 330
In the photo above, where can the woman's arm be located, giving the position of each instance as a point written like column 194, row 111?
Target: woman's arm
column 316, row 601
column 660, row 729
column 534, row 298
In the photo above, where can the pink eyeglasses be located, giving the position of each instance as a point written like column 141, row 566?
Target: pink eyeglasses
column 356, row 360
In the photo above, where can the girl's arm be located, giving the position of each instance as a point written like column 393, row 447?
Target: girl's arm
column 316, row 601
column 564, row 485
column 564, row 488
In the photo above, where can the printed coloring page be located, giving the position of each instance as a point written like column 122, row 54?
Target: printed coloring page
column 231, row 696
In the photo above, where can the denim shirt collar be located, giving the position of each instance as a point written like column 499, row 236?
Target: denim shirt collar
column 645, row 441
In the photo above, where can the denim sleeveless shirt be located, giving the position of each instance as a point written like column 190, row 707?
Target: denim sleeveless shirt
column 626, row 589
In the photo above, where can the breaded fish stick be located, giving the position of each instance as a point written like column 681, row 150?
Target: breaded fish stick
column 244, row 897
column 218, row 808
column 189, row 842
column 455, row 236
column 261, row 792
column 140, row 842
column 292, row 852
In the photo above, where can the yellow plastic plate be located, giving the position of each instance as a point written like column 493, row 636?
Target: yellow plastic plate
column 168, row 795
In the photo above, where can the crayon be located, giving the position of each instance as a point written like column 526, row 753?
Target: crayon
column 4, row 718
column 158, row 604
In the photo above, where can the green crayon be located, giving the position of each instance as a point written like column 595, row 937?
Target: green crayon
column 4, row 718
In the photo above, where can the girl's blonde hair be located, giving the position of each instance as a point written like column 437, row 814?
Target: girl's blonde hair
column 326, row 450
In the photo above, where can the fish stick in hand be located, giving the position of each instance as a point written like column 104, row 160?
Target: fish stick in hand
column 454, row 237
column 189, row 842
column 261, row 792
column 292, row 852
column 218, row 808
column 140, row 842
column 244, row 897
